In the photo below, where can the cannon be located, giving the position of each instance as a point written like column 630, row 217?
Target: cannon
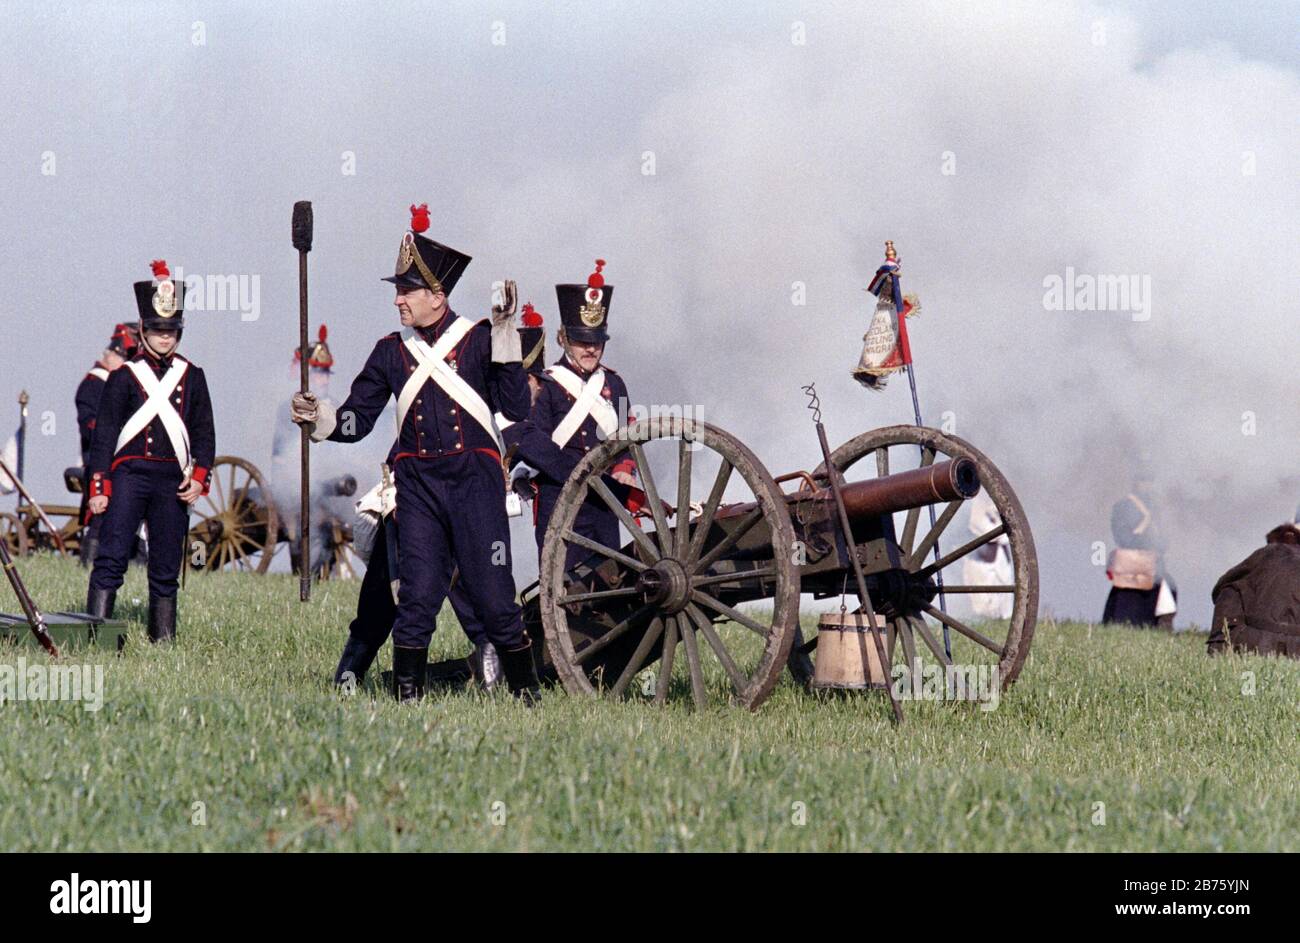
column 715, row 585
column 240, row 527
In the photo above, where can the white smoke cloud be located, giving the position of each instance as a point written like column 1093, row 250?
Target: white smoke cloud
column 1077, row 143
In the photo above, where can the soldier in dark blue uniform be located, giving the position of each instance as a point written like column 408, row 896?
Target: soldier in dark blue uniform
column 376, row 608
column 120, row 348
column 561, row 429
column 152, row 452
column 450, row 375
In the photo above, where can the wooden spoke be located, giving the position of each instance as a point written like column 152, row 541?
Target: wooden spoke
column 991, row 588
column 738, row 576
column 625, row 517
column 698, row 692
column 964, row 629
column 587, row 544
column 931, row 538
column 734, row 615
column 682, row 532
column 221, row 494
column 964, row 549
column 909, row 531
column 666, row 662
column 710, row 509
column 882, row 461
column 705, row 627
column 638, row 658
column 930, row 641
column 909, row 644
column 613, row 635
column 570, row 598
column 662, row 533
column 741, row 529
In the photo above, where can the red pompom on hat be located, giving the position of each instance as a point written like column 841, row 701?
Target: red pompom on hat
column 595, row 279
column 160, row 269
column 322, row 333
column 531, row 317
column 419, row 217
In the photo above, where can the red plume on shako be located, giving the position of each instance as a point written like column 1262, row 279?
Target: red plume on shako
column 321, row 358
column 160, row 300
column 584, row 309
column 532, row 339
column 423, row 263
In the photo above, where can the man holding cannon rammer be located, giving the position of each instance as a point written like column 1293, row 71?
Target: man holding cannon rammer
column 450, row 375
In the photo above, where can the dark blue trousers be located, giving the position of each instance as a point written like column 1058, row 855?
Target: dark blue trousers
column 451, row 513
column 143, row 491
column 595, row 521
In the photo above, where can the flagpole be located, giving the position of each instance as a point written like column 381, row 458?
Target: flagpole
column 23, row 400
column 905, row 350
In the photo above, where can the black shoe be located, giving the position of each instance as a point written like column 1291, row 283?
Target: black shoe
column 100, row 602
column 162, row 618
column 357, row 659
column 409, row 667
column 521, row 674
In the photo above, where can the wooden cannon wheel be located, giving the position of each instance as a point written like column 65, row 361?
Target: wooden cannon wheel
column 666, row 583
column 236, row 531
column 14, row 533
column 903, row 447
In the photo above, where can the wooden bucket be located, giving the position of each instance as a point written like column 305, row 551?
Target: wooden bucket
column 846, row 653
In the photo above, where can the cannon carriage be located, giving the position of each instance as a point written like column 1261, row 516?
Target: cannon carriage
column 237, row 524
column 710, row 604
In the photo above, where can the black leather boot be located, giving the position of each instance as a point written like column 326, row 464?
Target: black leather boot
column 485, row 664
column 521, row 674
column 100, row 602
column 89, row 547
column 409, row 668
column 162, row 618
column 357, row 658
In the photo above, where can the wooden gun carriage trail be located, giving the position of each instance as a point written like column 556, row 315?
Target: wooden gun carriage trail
column 668, row 594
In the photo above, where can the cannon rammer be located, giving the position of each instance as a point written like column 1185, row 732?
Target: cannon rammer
column 615, row 613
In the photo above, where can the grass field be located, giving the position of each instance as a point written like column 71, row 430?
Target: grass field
column 240, row 718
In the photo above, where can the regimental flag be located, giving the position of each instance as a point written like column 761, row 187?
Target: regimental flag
column 885, row 348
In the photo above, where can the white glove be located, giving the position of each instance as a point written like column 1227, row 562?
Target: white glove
column 317, row 416
column 506, row 345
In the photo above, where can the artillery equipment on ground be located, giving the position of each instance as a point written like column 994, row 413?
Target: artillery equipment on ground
column 675, row 592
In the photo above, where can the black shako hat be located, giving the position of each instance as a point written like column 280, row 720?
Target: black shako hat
column 584, row 309
column 161, row 300
column 532, row 338
column 423, row 263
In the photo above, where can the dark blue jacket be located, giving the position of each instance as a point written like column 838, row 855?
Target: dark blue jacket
column 553, row 463
column 89, row 390
column 435, row 425
column 123, row 395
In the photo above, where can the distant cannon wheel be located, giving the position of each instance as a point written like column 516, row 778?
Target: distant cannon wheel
column 14, row 533
column 897, row 448
column 235, row 529
column 340, row 560
column 615, row 612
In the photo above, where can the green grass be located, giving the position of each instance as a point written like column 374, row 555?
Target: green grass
column 240, row 716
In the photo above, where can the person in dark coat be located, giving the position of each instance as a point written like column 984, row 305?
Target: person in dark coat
column 449, row 375
column 151, row 456
column 578, row 407
column 120, row 348
column 1257, row 602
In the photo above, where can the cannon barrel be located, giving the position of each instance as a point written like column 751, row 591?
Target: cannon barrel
column 955, row 480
